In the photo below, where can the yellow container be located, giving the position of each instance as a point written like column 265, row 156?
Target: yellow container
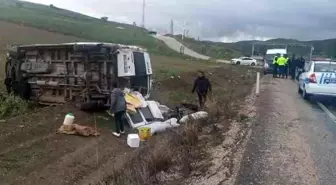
column 145, row 133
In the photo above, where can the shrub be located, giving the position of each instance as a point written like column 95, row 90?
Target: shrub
column 12, row 105
column 160, row 153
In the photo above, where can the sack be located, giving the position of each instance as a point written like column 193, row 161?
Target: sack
column 141, row 98
column 158, row 126
column 194, row 116
column 133, row 99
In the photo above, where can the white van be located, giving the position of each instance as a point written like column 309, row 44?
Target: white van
column 268, row 59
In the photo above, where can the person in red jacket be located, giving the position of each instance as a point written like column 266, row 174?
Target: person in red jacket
column 202, row 86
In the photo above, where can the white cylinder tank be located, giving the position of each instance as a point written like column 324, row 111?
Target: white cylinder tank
column 69, row 119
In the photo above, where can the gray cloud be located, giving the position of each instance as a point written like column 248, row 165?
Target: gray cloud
column 219, row 19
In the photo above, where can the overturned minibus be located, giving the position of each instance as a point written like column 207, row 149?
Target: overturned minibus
column 78, row 73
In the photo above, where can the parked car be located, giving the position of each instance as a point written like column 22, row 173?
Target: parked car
column 318, row 78
column 244, row 61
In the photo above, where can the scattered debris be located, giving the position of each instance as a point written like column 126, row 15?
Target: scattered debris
column 145, row 133
column 190, row 106
column 195, row 116
column 157, row 127
column 164, row 109
column 75, row 129
column 69, row 119
column 133, row 140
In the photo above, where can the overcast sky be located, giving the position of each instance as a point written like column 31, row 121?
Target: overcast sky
column 220, row 20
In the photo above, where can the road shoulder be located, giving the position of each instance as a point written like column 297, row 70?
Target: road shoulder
column 277, row 152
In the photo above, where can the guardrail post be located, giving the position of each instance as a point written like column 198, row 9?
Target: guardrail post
column 258, row 85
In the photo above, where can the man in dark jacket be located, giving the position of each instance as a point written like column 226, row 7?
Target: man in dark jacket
column 118, row 108
column 300, row 65
column 202, row 86
column 292, row 67
column 9, row 73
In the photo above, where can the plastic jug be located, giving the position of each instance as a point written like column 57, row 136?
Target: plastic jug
column 69, row 119
column 133, row 140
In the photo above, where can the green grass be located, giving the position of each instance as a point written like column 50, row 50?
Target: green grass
column 166, row 67
column 13, row 105
column 70, row 23
column 180, row 97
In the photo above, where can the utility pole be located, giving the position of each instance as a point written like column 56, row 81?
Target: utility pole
column 172, row 27
column 252, row 50
column 183, row 34
column 143, row 13
column 311, row 52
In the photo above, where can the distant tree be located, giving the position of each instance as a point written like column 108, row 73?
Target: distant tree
column 134, row 23
column 19, row 4
column 104, row 19
column 51, row 6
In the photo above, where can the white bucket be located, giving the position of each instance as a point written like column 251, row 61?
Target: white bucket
column 133, row 140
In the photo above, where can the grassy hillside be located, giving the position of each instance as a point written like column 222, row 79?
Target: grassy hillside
column 325, row 48
column 213, row 49
column 63, row 21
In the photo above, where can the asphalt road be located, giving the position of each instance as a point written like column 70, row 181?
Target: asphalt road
column 176, row 45
column 293, row 142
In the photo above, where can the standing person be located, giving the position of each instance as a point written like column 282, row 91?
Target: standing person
column 286, row 65
column 9, row 73
column 202, row 86
column 292, row 67
column 281, row 63
column 300, row 66
column 118, row 108
column 275, row 66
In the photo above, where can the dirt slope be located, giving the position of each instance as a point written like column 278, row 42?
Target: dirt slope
column 13, row 33
column 32, row 153
column 16, row 34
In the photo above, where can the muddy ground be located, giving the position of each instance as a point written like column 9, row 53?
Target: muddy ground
column 32, row 153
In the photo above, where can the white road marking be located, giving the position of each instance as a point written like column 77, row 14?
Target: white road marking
column 326, row 110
